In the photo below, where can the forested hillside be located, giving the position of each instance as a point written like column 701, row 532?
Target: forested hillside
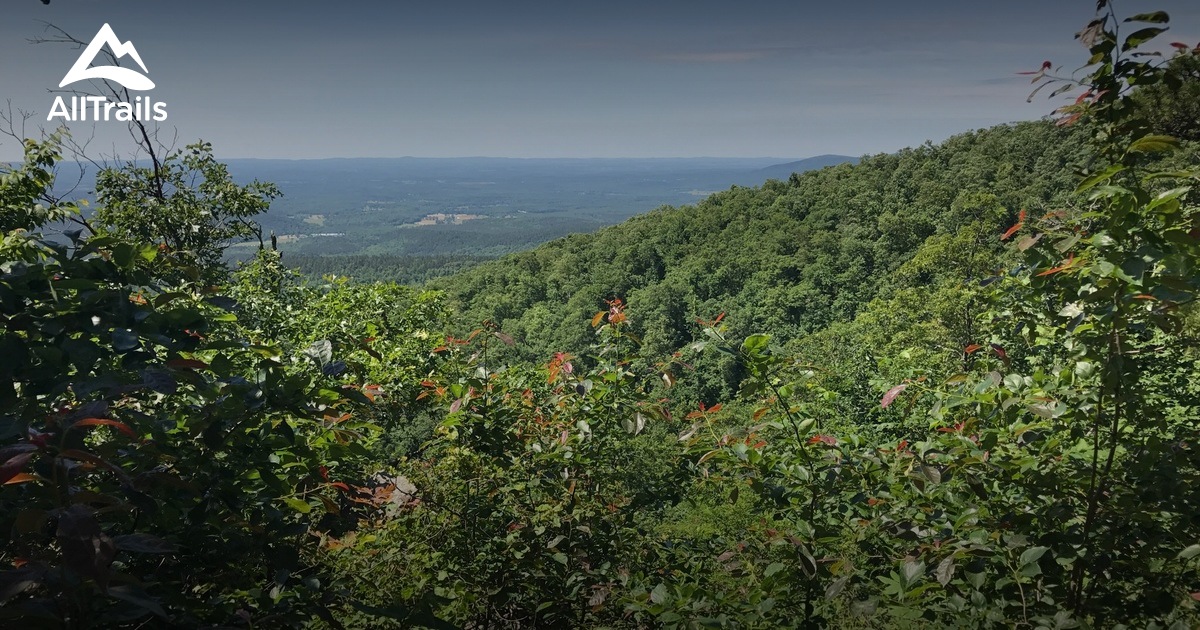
column 954, row 387
column 789, row 257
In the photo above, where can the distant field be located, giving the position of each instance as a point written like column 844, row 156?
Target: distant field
column 478, row 207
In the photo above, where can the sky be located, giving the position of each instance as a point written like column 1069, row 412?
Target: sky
column 523, row 78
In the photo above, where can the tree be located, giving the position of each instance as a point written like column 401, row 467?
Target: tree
column 189, row 206
column 154, row 461
column 1173, row 106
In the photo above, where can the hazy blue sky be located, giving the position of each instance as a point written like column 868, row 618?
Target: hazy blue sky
column 381, row 78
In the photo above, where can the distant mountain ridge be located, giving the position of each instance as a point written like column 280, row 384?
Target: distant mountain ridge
column 784, row 171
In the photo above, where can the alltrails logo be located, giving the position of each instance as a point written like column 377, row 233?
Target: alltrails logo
column 142, row 109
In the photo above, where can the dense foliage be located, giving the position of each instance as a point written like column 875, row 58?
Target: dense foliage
column 412, row 270
column 791, row 257
column 952, row 387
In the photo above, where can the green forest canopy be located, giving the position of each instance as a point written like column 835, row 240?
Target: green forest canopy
column 951, row 387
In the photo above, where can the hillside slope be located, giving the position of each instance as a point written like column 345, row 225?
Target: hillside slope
column 790, row 257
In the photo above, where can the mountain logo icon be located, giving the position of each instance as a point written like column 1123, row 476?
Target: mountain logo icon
column 83, row 69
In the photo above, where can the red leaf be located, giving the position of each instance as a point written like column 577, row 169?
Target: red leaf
column 91, row 422
column 340, row 486
column 454, row 406
column 1000, row 353
column 13, row 466
column 1013, row 230
column 1069, row 120
column 891, row 395
column 20, row 478
column 972, row 349
column 827, row 440
column 1066, row 265
column 39, row 439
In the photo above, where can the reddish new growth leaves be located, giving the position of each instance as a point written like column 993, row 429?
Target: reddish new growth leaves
column 13, row 467
column 615, row 313
column 187, row 364
column 1014, row 229
column 890, row 396
column 1066, row 265
column 827, row 440
column 116, row 424
column 703, row 411
column 559, row 365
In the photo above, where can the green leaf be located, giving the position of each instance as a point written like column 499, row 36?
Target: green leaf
column 1031, row 555
column 1157, row 17
column 660, row 594
column 321, row 352
column 756, row 344
column 1168, row 196
column 773, row 568
column 1098, row 178
column 124, row 340
column 1154, row 144
column 912, row 570
column 932, row 474
column 1067, row 243
column 945, row 570
column 299, row 505
column 1028, row 241
column 1140, row 37
column 1189, row 552
column 836, row 587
